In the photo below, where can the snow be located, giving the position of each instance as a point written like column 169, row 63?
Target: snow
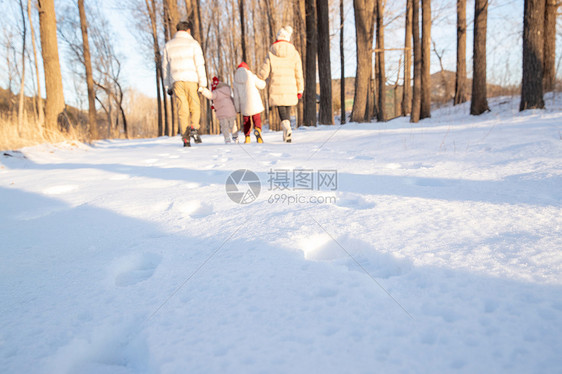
column 438, row 250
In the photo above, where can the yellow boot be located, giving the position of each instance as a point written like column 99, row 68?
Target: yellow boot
column 248, row 139
column 257, row 133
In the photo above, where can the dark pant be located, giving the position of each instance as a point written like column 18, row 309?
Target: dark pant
column 284, row 113
column 248, row 123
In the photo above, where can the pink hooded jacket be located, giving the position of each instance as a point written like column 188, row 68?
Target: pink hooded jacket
column 222, row 101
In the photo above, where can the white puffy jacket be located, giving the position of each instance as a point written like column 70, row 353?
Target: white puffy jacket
column 183, row 61
column 247, row 99
column 283, row 66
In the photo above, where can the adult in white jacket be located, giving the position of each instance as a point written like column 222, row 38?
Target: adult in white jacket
column 283, row 66
column 247, row 100
column 184, row 73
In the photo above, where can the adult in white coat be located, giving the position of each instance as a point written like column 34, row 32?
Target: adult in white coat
column 283, row 66
column 247, row 100
column 184, row 73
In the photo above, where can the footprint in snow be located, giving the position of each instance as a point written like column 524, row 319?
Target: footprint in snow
column 193, row 208
column 352, row 201
column 355, row 254
column 115, row 347
column 135, row 268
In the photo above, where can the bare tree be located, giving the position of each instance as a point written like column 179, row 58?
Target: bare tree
column 54, row 104
column 416, row 95
column 171, row 17
column 39, row 100
column 22, row 82
column 425, row 110
column 381, row 73
column 364, row 33
column 299, row 20
column 479, row 99
column 460, row 76
column 92, row 118
column 310, row 66
column 159, row 74
column 342, row 66
column 242, row 30
column 533, row 55
column 107, row 72
column 406, row 93
column 324, row 66
column 269, row 6
column 549, row 70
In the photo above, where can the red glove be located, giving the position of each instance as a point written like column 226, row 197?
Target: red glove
column 299, row 95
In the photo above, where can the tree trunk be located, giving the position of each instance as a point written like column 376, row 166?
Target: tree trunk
column 22, row 83
column 342, row 67
column 171, row 17
column 300, row 44
column 271, row 19
column 416, row 94
column 479, row 99
column 549, row 71
column 160, row 89
column 425, row 109
column 194, row 12
column 40, row 111
column 242, row 30
column 381, row 72
column 460, row 76
column 92, row 120
column 364, row 29
column 324, row 66
column 373, row 98
column 533, row 55
column 406, row 92
column 54, row 104
column 310, row 77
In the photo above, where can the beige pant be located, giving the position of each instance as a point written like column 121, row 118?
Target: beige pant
column 187, row 104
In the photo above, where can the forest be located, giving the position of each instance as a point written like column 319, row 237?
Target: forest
column 390, row 47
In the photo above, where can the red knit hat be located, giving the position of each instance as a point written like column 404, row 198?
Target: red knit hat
column 215, row 83
column 244, row 65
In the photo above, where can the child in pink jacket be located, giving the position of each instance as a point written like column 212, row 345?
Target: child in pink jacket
column 224, row 109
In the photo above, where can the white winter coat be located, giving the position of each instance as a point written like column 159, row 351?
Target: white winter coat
column 247, row 99
column 283, row 66
column 183, row 61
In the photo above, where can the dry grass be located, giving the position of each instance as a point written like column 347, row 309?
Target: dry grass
column 30, row 133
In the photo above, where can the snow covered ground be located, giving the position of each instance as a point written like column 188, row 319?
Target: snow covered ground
column 371, row 248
